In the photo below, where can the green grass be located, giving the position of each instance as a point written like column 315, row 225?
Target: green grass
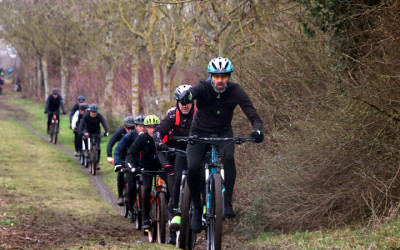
column 40, row 173
column 37, row 119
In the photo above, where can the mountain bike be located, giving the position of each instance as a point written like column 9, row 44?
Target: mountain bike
column 136, row 213
column 158, row 207
column 212, row 198
column 185, row 234
column 54, row 127
column 91, row 157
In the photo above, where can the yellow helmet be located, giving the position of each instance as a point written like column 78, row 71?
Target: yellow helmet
column 151, row 120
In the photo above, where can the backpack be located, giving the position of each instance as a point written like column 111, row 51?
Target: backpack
column 177, row 123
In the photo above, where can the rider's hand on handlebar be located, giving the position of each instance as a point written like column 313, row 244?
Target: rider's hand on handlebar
column 110, row 160
column 162, row 147
column 105, row 134
column 257, row 135
column 64, row 113
column 117, row 168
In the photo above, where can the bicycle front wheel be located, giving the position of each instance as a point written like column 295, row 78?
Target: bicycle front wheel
column 214, row 225
column 137, row 209
column 161, row 221
column 55, row 135
column 93, row 160
column 185, row 233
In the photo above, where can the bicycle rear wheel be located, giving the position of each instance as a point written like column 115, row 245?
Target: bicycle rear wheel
column 185, row 233
column 214, row 225
column 161, row 220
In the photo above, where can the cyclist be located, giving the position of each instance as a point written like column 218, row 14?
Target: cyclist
column 129, row 125
column 119, row 156
column 145, row 148
column 90, row 124
column 76, row 118
column 53, row 103
column 216, row 101
column 81, row 99
column 176, row 123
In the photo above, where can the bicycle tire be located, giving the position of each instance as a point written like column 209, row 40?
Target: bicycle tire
column 184, row 240
column 137, row 209
column 161, row 220
column 94, row 159
column 51, row 132
column 214, row 227
column 125, row 203
column 152, row 234
column 55, row 136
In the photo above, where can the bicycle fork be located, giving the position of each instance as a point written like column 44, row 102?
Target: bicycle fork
column 181, row 192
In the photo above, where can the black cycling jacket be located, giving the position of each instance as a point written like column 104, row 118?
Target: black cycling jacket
column 91, row 125
column 215, row 111
column 168, row 124
column 53, row 104
column 73, row 110
column 144, row 148
column 117, row 136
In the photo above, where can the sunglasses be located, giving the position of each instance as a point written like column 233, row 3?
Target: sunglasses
column 222, row 76
column 129, row 128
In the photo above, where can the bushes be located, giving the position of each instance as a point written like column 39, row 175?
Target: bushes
column 332, row 157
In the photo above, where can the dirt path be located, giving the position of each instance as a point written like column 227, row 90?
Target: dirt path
column 11, row 113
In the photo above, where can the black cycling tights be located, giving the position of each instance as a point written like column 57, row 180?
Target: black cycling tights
column 196, row 153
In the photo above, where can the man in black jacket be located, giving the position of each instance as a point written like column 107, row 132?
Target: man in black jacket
column 53, row 103
column 129, row 126
column 216, row 100
column 145, row 148
column 81, row 99
column 90, row 125
column 176, row 123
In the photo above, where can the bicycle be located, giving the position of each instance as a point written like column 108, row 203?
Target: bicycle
column 185, row 234
column 91, row 157
column 213, row 196
column 54, row 127
column 158, row 207
column 136, row 213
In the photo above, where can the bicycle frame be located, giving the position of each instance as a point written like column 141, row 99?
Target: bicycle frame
column 214, row 196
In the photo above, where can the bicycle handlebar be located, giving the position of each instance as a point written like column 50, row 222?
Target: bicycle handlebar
column 175, row 151
column 212, row 140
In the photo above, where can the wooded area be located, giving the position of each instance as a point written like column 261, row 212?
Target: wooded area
column 324, row 76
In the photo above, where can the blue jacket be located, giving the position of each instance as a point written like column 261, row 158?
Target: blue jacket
column 123, row 146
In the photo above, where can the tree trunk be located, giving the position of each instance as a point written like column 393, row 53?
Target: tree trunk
column 43, row 75
column 135, row 84
column 64, row 79
column 108, row 97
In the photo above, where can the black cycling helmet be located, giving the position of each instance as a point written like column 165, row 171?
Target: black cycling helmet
column 129, row 121
column 81, row 98
column 139, row 120
column 180, row 89
column 83, row 106
column 94, row 108
column 54, row 91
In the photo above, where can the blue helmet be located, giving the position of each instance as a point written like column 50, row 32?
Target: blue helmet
column 94, row 108
column 55, row 91
column 220, row 65
column 139, row 120
column 81, row 98
column 83, row 106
